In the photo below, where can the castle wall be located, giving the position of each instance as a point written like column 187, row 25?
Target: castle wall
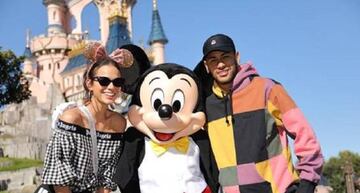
column 25, row 128
column 50, row 66
column 37, row 88
column 17, row 181
column 73, row 82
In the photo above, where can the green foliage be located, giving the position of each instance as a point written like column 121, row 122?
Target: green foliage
column 14, row 88
column 334, row 173
column 17, row 163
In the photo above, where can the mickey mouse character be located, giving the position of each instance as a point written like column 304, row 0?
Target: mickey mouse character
column 167, row 151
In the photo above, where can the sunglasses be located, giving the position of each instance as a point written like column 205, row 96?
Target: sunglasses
column 105, row 81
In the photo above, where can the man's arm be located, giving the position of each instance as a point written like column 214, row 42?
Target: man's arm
column 306, row 146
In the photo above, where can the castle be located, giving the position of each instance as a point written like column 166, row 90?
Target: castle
column 54, row 66
column 54, row 63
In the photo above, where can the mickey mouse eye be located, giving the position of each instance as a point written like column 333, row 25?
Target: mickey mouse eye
column 178, row 101
column 157, row 98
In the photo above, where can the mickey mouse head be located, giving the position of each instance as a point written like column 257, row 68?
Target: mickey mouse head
column 166, row 103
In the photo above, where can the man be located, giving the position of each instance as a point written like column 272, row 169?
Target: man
column 249, row 118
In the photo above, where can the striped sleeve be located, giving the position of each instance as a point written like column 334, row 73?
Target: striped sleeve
column 306, row 146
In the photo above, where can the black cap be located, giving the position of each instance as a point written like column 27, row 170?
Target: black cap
column 218, row 42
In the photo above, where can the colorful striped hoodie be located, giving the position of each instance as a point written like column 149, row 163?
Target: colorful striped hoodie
column 248, row 129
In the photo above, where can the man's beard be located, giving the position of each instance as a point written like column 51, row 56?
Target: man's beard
column 230, row 80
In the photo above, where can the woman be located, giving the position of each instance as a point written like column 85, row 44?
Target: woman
column 74, row 161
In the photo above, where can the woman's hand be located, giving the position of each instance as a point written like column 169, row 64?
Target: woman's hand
column 62, row 189
column 103, row 190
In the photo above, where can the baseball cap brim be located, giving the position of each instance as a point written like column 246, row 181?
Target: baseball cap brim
column 219, row 48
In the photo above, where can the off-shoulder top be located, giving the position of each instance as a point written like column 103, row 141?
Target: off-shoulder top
column 68, row 159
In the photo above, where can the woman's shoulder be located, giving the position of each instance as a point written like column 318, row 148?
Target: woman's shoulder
column 117, row 122
column 72, row 116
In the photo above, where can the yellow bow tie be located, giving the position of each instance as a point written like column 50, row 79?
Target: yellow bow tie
column 181, row 145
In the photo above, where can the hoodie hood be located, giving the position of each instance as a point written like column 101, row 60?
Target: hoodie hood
column 241, row 80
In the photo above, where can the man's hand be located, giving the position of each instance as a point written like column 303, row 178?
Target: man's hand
column 306, row 186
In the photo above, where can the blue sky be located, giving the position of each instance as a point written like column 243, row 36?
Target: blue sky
column 311, row 47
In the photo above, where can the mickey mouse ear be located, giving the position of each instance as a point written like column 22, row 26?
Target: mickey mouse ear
column 140, row 65
column 205, row 78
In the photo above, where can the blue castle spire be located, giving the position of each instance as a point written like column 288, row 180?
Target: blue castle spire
column 157, row 33
column 118, row 33
column 27, row 52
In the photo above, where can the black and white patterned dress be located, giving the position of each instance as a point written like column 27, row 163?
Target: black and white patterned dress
column 68, row 159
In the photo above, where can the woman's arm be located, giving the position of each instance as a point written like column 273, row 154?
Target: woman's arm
column 62, row 189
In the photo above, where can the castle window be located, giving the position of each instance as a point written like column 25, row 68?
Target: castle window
column 58, row 65
column 67, row 82
column 78, row 83
column 49, row 66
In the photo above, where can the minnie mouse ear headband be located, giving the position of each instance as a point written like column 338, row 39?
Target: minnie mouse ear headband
column 131, row 59
column 95, row 52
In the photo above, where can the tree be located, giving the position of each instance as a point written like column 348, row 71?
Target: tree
column 14, row 87
column 334, row 173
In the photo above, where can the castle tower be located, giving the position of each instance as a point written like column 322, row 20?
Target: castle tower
column 157, row 39
column 57, row 16
column 118, row 29
column 106, row 9
column 28, row 61
column 50, row 49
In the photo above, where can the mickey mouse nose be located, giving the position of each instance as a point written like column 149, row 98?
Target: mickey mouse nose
column 165, row 111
